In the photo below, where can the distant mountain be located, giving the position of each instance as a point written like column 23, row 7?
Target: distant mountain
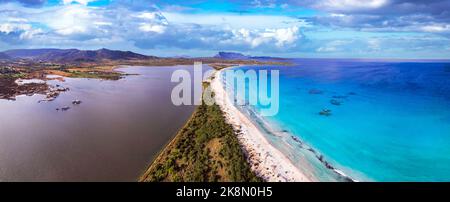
column 182, row 56
column 75, row 55
column 28, row 53
column 231, row 56
column 3, row 56
column 240, row 56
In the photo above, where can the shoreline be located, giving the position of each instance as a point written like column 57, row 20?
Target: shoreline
column 265, row 160
column 104, row 70
column 205, row 149
column 165, row 149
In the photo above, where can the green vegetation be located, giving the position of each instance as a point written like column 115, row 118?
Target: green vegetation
column 13, row 76
column 95, row 75
column 9, row 73
column 205, row 149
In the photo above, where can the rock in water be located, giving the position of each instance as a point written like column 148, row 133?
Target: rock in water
column 315, row 91
column 76, row 102
column 325, row 112
column 335, row 102
column 339, row 96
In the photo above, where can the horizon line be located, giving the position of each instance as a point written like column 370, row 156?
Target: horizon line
column 280, row 57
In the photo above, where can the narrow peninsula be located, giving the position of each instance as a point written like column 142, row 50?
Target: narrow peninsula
column 205, row 149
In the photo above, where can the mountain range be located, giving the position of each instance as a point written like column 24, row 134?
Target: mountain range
column 72, row 55
column 231, row 56
column 240, row 56
column 77, row 56
column 4, row 56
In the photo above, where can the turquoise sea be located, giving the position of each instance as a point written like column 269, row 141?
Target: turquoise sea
column 388, row 120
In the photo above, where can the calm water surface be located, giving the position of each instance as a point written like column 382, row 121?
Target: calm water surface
column 391, row 123
column 112, row 136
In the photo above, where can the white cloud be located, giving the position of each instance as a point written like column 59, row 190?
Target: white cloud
column 233, row 21
column 374, row 44
column 333, row 46
column 279, row 37
column 83, row 2
column 152, row 28
column 263, row 3
column 283, row 37
column 284, row 6
column 350, row 5
column 177, row 8
column 21, row 31
column 9, row 27
column 153, row 16
column 71, row 20
column 438, row 28
column 153, row 22
column 74, row 25
column 30, row 34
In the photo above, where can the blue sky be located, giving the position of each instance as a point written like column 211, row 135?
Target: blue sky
column 286, row 28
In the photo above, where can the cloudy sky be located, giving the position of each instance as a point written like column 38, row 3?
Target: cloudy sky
column 287, row 28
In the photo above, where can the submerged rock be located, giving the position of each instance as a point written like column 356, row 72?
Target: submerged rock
column 325, row 112
column 65, row 108
column 297, row 140
column 340, row 96
column 328, row 165
column 48, row 99
column 320, row 158
column 52, row 94
column 315, row 91
column 335, row 102
column 62, row 89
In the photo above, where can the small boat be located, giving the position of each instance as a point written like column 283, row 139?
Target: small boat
column 65, row 108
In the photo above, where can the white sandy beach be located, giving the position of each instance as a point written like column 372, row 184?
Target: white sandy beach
column 265, row 160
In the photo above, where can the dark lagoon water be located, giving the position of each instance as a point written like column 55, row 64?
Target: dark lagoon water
column 390, row 120
column 112, row 136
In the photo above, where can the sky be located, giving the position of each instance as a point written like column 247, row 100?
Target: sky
column 285, row 28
